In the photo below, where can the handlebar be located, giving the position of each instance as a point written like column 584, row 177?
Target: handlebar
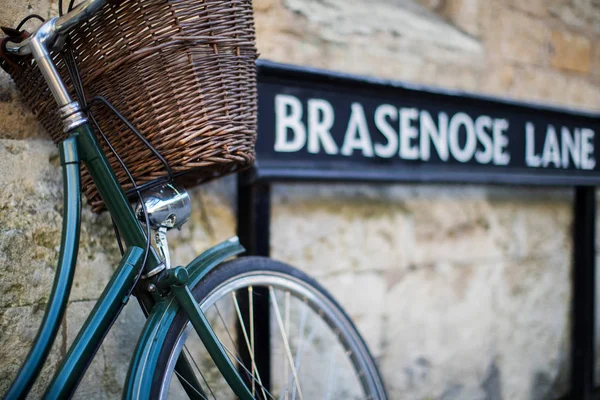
column 79, row 14
column 49, row 35
column 53, row 29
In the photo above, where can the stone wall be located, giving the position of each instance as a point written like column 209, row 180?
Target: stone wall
column 465, row 290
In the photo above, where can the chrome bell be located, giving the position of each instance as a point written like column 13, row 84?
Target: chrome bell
column 168, row 206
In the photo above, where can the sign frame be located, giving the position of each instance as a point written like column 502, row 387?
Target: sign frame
column 284, row 167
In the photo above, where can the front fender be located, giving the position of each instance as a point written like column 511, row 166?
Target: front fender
column 143, row 363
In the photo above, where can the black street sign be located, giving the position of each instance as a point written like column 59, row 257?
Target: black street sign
column 318, row 125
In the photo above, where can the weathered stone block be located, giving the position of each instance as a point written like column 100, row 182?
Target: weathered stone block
column 13, row 12
column 18, row 327
column 17, row 121
column 451, row 230
column 454, row 77
column 363, row 296
column 570, row 52
column 516, row 36
column 461, row 263
column 433, row 5
column 580, row 93
column 29, row 232
column 464, row 14
column 498, row 78
column 264, row 5
column 31, row 217
column 406, row 26
column 595, row 59
column 437, row 329
column 362, row 236
column 538, row 8
column 577, row 14
column 532, row 84
column 532, row 325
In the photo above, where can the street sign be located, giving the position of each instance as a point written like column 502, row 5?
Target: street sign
column 319, row 125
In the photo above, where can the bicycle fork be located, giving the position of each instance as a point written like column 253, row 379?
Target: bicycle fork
column 175, row 284
column 212, row 344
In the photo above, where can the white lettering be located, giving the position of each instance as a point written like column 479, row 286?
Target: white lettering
column 439, row 137
column 408, row 150
column 483, row 125
column 320, row 121
column 357, row 134
column 391, row 147
column 570, row 146
column 587, row 149
column 531, row 159
column 466, row 153
column 501, row 157
column 285, row 121
column 551, row 153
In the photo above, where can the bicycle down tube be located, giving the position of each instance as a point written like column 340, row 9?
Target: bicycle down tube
column 82, row 146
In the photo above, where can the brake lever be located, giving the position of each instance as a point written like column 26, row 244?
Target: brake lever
column 12, row 35
column 12, row 32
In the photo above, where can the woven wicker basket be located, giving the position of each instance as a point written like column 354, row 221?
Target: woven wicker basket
column 182, row 71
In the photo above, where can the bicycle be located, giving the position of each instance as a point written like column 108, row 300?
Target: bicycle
column 200, row 338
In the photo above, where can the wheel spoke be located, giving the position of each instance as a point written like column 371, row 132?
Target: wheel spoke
column 289, row 377
column 199, row 371
column 306, row 329
column 300, row 358
column 228, row 333
column 186, row 372
column 331, row 374
column 250, row 375
column 301, row 344
column 251, row 304
column 287, row 331
column 285, row 339
column 190, row 385
column 241, row 321
column 236, row 354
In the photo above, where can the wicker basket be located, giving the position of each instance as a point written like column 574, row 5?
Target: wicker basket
column 182, row 71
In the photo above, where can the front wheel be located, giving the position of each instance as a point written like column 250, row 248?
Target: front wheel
column 286, row 335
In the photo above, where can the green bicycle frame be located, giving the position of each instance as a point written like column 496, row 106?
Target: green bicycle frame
column 82, row 146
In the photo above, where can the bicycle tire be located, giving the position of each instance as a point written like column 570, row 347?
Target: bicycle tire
column 313, row 300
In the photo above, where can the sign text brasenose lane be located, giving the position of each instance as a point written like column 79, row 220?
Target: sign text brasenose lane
column 318, row 125
column 416, row 134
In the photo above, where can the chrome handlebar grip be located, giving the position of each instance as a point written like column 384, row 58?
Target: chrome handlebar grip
column 79, row 14
column 39, row 43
